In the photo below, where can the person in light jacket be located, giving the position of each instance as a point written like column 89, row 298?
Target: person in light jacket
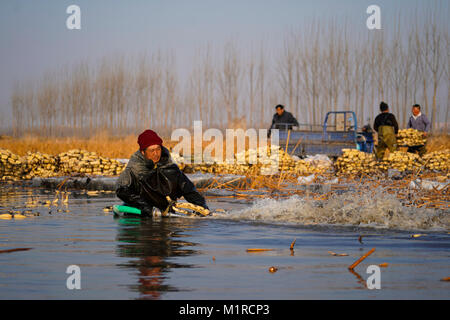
column 419, row 122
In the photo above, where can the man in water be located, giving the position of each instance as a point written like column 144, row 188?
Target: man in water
column 151, row 175
column 387, row 128
column 419, row 122
column 282, row 117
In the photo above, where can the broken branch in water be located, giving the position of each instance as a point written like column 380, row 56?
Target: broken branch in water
column 292, row 244
column 258, row 250
column 14, row 250
column 338, row 254
column 361, row 259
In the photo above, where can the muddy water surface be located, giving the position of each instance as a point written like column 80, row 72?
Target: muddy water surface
column 206, row 258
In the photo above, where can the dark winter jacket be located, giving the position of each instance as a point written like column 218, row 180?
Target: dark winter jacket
column 144, row 185
column 385, row 119
column 286, row 117
column 278, row 122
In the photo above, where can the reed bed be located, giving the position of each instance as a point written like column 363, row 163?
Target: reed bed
column 102, row 144
column 122, row 147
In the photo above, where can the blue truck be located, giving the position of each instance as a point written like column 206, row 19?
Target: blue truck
column 339, row 131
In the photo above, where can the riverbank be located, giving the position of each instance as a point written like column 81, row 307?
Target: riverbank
column 123, row 147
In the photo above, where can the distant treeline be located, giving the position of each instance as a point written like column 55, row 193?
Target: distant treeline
column 320, row 68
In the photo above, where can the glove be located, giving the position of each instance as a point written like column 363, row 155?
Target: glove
column 147, row 211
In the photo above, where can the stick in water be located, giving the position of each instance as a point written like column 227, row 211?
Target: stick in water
column 14, row 250
column 258, row 250
column 292, row 244
column 361, row 259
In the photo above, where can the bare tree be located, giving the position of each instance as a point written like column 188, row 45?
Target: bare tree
column 228, row 79
column 142, row 92
column 447, row 72
column 286, row 69
column 332, row 63
column 262, row 84
column 406, row 64
column 170, row 88
column 320, row 68
column 251, row 80
column 17, row 109
column 395, row 74
column 433, row 41
column 202, row 86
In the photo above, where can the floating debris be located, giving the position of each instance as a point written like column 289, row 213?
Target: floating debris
column 66, row 198
column 292, row 244
column 361, row 259
column 258, row 250
column 14, row 250
column 273, row 269
column 338, row 254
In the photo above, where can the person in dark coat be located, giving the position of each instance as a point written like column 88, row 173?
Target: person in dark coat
column 281, row 118
column 150, row 176
column 387, row 128
column 420, row 122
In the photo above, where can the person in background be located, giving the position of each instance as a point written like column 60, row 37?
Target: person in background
column 386, row 126
column 367, row 132
column 282, row 120
column 419, row 122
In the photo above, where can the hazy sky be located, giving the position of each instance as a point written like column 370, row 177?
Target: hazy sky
column 34, row 37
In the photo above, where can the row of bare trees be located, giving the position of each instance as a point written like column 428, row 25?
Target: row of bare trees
column 320, row 68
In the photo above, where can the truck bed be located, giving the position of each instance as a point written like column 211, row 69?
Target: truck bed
column 305, row 143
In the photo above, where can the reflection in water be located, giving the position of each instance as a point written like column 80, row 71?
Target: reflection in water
column 153, row 242
column 360, row 279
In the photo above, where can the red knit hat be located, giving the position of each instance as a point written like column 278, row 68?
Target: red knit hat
column 148, row 138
